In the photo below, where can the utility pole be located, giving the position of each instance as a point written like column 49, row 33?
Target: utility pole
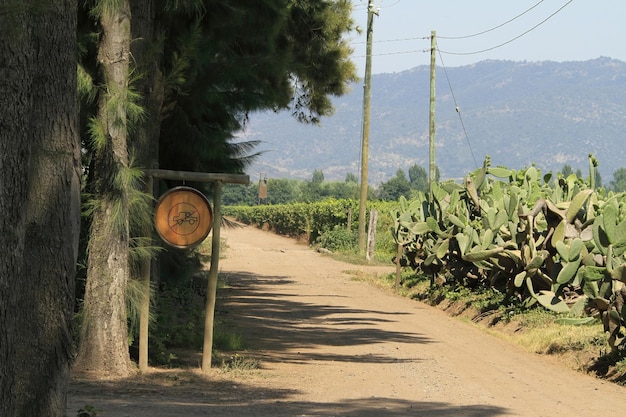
column 431, row 131
column 367, row 92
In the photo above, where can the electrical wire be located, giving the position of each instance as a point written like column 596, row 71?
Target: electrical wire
column 511, row 40
column 394, row 40
column 395, row 53
column 465, row 36
column 493, row 28
column 390, row 6
column 363, row 6
column 458, row 110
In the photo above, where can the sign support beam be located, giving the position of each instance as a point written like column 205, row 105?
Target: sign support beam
column 209, row 313
column 218, row 179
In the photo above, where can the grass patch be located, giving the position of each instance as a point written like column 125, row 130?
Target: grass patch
column 384, row 281
column 225, row 339
column 225, row 342
column 542, row 333
column 239, row 363
column 358, row 259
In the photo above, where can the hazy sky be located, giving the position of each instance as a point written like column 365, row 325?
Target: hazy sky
column 581, row 30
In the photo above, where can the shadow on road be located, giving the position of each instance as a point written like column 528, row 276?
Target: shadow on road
column 193, row 396
column 275, row 322
column 277, row 326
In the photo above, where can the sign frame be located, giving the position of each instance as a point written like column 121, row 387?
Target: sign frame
column 183, row 217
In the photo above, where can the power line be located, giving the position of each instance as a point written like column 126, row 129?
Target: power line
column 391, row 5
column 449, row 37
column 396, row 53
column 458, row 110
column 395, row 40
column 511, row 40
column 363, row 6
column 493, row 28
column 466, row 36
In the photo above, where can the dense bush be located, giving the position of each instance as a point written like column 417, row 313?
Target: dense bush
column 178, row 306
column 298, row 219
column 323, row 220
column 339, row 239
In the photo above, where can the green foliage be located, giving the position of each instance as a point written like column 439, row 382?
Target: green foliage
column 242, row 57
column 313, row 190
column 567, row 170
column 400, row 186
column 225, row 340
column 178, row 306
column 324, row 222
column 418, row 178
column 298, row 218
column 618, row 184
column 350, row 177
column 556, row 244
column 87, row 411
column 395, row 187
column 239, row 363
column 314, row 36
column 338, row 239
column 291, row 190
column 238, row 194
column 179, row 309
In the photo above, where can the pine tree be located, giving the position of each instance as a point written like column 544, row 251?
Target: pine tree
column 199, row 68
column 103, row 344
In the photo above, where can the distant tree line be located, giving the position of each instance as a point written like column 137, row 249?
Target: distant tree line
column 617, row 184
column 290, row 190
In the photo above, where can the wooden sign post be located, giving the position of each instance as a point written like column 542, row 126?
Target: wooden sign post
column 183, row 219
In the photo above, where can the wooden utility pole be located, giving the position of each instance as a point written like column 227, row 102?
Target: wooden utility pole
column 367, row 92
column 432, row 173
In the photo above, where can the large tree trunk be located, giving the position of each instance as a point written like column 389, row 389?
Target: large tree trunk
column 39, row 202
column 103, row 346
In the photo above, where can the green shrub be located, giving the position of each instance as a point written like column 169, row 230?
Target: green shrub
column 338, row 239
column 225, row 339
column 323, row 222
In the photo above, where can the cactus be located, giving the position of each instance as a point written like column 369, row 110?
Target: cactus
column 508, row 228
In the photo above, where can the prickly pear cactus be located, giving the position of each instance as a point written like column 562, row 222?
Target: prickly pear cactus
column 556, row 242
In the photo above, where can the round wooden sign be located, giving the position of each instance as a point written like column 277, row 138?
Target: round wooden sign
column 183, row 217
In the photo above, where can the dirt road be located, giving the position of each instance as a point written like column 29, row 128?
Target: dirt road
column 328, row 345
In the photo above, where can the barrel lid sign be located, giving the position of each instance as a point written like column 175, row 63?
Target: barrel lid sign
column 183, row 217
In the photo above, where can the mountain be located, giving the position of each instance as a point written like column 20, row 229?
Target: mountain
column 518, row 113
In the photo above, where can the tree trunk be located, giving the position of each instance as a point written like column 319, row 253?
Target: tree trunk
column 39, row 202
column 103, row 346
